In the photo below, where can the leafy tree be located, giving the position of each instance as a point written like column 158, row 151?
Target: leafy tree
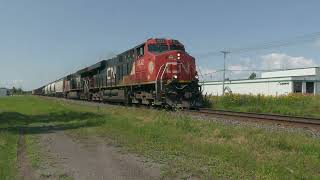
column 253, row 75
column 14, row 90
column 19, row 91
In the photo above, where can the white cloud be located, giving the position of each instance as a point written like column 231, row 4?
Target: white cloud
column 11, row 83
column 242, row 69
column 242, row 65
column 284, row 61
column 208, row 73
column 206, row 70
column 238, row 68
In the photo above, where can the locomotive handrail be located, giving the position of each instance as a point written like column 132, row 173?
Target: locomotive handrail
column 157, row 79
column 161, row 77
column 168, row 63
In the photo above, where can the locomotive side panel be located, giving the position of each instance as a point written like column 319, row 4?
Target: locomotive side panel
column 156, row 72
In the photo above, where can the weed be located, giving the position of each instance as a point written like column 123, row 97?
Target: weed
column 188, row 148
column 293, row 104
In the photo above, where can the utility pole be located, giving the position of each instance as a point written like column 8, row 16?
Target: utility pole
column 224, row 69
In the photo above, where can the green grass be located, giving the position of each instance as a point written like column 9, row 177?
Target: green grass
column 186, row 147
column 8, row 150
column 209, row 150
column 294, row 104
column 32, row 116
column 40, row 161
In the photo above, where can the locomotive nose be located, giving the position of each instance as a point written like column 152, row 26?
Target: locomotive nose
column 175, row 55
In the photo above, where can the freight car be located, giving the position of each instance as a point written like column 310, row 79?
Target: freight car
column 39, row 91
column 157, row 72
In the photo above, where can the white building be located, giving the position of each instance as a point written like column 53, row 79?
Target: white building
column 3, row 92
column 303, row 80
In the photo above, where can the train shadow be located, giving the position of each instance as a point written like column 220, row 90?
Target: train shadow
column 47, row 123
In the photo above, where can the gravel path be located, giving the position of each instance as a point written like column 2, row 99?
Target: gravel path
column 268, row 125
column 234, row 121
column 94, row 159
column 25, row 169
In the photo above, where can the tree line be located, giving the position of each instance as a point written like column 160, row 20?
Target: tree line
column 18, row 91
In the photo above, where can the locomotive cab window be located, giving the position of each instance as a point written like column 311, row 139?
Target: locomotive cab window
column 158, row 48
column 176, row 47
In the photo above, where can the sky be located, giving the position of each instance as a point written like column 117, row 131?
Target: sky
column 43, row 40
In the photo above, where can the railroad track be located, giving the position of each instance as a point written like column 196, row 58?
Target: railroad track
column 248, row 115
column 263, row 116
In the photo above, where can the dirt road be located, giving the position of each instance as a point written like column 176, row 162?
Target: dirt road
column 92, row 159
column 95, row 159
column 25, row 169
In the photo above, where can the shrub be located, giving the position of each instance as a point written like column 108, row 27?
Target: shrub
column 292, row 104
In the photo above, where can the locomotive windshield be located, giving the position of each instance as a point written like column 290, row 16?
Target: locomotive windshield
column 176, row 47
column 158, row 48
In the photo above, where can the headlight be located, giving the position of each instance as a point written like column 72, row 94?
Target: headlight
column 178, row 56
column 175, row 77
column 196, row 76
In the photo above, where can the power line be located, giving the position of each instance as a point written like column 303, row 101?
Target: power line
column 248, row 70
column 284, row 43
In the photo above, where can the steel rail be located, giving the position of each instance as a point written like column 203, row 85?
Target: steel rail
column 264, row 116
column 250, row 115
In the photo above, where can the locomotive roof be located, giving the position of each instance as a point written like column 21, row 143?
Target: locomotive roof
column 92, row 67
column 103, row 63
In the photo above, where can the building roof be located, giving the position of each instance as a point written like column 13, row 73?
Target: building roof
column 312, row 71
column 294, row 68
column 278, row 75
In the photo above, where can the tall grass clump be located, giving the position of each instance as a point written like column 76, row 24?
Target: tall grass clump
column 292, row 104
column 186, row 148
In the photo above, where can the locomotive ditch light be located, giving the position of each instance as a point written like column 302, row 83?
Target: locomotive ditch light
column 196, row 76
column 178, row 56
column 175, row 77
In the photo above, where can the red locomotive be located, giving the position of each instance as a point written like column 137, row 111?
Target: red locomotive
column 158, row 72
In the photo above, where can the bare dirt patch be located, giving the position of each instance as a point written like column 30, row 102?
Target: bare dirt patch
column 25, row 168
column 94, row 159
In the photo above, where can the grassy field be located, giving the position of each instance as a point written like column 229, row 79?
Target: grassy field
column 294, row 104
column 31, row 116
column 186, row 147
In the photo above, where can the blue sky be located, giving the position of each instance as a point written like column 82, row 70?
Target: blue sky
column 42, row 40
